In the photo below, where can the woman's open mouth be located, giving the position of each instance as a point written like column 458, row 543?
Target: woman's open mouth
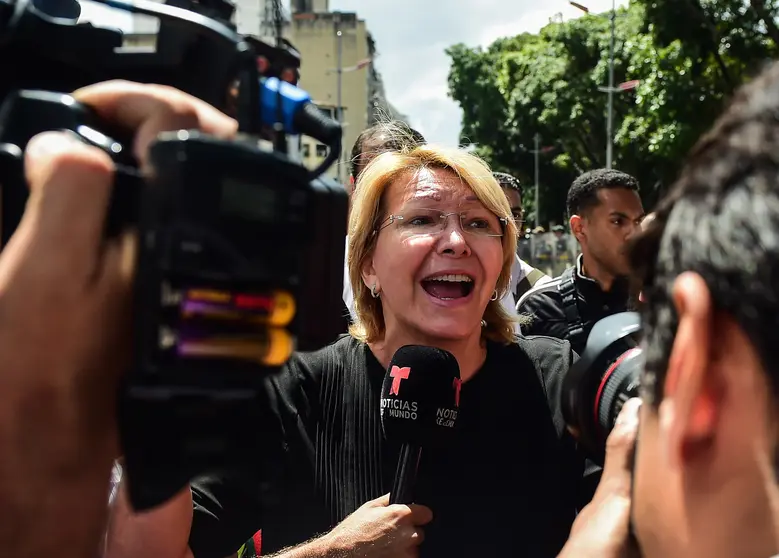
column 448, row 286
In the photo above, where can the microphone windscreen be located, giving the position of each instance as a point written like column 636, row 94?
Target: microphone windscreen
column 420, row 397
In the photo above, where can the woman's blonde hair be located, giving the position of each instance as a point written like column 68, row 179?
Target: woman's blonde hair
column 367, row 215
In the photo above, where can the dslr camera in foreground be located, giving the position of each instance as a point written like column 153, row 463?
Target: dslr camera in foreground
column 602, row 380
column 240, row 246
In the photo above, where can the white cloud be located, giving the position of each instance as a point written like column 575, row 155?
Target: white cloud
column 528, row 23
column 411, row 36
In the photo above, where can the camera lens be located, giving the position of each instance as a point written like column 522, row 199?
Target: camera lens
column 602, row 380
column 618, row 384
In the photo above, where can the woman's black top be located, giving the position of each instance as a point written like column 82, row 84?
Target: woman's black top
column 507, row 485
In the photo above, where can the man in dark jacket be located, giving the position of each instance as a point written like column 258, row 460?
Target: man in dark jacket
column 605, row 211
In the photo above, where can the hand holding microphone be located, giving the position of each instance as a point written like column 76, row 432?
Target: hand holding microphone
column 378, row 529
column 420, row 401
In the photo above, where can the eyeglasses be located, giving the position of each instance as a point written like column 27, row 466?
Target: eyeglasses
column 424, row 221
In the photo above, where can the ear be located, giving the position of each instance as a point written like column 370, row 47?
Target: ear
column 369, row 276
column 577, row 226
column 691, row 393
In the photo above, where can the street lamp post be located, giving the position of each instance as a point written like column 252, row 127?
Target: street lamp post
column 339, row 85
column 340, row 71
column 537, row 151
column 610, row 118
column 611, row 89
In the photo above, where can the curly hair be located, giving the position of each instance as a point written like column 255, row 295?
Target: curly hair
column 583, row 193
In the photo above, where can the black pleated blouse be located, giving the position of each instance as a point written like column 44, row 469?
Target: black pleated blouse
column 508, row 484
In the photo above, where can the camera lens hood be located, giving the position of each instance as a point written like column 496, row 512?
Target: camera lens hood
column 609, row 338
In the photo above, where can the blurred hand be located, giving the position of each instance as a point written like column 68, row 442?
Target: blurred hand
column 65, row 335
column 380, row 530
column 601, row 529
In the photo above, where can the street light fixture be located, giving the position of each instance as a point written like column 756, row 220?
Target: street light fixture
column 611, row 89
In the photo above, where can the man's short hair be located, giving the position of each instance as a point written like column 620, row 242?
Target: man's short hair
column 507, row 181
column 721, row 221
column 583, row 193
column 394, row 135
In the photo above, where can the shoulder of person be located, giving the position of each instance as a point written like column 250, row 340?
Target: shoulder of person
column 552, row 359
column 343, row 347
column 549, row 356
column 543, row 279
column 305, row 369
column 553, row 355
column 543, row 293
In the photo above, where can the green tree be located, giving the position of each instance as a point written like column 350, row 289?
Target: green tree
column 689, row 56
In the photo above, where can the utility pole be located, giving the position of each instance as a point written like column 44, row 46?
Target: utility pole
column 536, row 155
column 610, row 117
column 611, row 88
column 537, row 151
column 339, row 86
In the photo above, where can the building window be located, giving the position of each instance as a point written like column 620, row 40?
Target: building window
column 306, row 150
column 321, row 150
column 328, row 111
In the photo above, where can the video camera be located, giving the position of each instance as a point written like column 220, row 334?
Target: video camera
column 602, row 380
column 229, row 231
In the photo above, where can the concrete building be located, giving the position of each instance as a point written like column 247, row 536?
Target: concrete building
column 250, row 18
column 315, row 33
column 379, row 107
column 310, row 6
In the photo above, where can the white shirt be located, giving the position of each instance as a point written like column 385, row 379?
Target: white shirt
column 348, row 295
column 518, row 271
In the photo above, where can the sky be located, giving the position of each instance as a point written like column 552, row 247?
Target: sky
column 412, row 35
column 411, row 47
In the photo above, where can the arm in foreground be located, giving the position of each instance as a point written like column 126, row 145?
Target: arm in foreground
column 602, row 529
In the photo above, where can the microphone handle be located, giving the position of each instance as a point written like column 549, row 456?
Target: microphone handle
column 406, row 475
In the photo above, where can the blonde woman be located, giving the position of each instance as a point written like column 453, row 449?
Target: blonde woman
column 431, row 245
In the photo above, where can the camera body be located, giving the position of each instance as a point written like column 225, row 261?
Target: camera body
column 224, row 254
column 606, row 375
column 229, row 232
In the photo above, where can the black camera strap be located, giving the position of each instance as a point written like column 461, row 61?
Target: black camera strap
column 527, row 283
column 567, row 289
